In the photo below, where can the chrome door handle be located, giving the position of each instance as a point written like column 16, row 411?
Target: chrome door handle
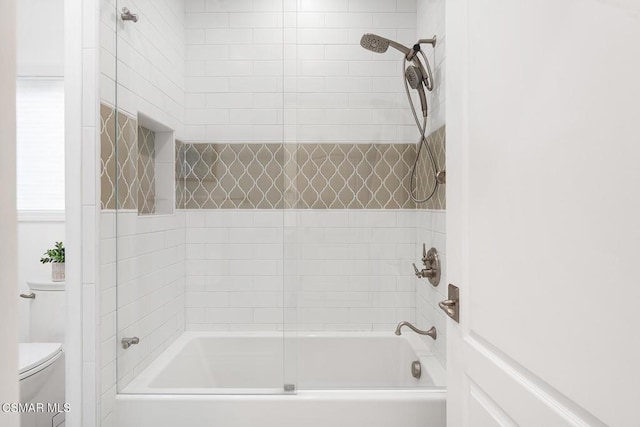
column 28, row 296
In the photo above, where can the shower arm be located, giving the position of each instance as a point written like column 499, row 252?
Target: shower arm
column 412, row 55
column 432, row 41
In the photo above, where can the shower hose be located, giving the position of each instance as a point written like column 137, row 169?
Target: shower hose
column 422, row 127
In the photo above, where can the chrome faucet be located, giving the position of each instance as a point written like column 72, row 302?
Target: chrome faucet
column 431, row 332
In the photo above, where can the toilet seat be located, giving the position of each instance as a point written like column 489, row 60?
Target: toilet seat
column 34, row 357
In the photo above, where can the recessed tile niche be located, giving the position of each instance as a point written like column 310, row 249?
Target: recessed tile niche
column 156, row 167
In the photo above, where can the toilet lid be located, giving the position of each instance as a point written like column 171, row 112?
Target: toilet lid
column 36, row 355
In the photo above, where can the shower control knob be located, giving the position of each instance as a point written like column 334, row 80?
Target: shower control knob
column 425, row 272
column 432, row 267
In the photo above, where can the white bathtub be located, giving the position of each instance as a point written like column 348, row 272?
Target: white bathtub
column 237, row 380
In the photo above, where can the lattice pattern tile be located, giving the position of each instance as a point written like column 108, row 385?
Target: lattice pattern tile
column 234, row 176
column 304, row 176
column 425, row 178
column 118, row 159
column 107, row 157
column 349, row 176
column 266, row 176
column 181, row 173
column 127, row 155
column 146, row 171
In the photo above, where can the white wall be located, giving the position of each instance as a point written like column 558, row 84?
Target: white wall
column 351, row 268
column 336, row 91
column 40, row 33
column 8, row 304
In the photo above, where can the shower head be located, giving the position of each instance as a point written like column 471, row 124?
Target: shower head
column 413, row 76
column 374, row 43
column 415, row 80
column 379, row 44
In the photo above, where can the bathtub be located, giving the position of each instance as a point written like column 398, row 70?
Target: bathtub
column 225, row 379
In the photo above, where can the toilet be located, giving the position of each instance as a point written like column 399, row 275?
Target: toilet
column 41, row 361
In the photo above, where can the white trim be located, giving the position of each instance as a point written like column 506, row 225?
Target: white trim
column 73, row 208
column 8, row 250
column 41, row 216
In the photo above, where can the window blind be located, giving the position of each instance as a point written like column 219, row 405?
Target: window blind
column 40, row 144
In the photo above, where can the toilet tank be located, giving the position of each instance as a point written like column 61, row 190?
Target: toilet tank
column 47, row 311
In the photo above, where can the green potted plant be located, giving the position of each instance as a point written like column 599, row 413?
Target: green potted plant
column 56, row 257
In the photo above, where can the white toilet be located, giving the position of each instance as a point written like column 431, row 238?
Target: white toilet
column 41, row 368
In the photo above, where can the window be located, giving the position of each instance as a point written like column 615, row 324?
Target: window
column 40, row 144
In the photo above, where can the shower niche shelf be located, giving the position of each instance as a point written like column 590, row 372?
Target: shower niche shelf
column 155, row 167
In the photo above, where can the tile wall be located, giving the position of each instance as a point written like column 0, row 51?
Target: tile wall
column 349, row 267
column 334, row 90
column 149, row 254
column 150, row 64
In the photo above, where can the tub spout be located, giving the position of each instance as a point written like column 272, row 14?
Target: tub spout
column 431, row 332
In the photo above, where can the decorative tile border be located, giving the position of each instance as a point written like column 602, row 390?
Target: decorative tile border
column 267, row 176
column 349, row 176
column 232, row 176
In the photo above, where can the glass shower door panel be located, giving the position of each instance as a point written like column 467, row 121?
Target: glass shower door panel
column 195, row 187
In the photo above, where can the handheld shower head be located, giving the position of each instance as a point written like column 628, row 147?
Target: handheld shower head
column 379, row 44
column 374, row 43
column 414, row 78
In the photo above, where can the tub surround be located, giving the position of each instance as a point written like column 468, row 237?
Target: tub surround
column 344, row 266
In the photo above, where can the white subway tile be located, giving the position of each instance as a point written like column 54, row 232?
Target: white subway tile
column 208, row 299
column 323, row 36
column 323, row 315
column 322, row 5
column 229, row 315
column 255, row 20
column 267, row 315
column 372, row 315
